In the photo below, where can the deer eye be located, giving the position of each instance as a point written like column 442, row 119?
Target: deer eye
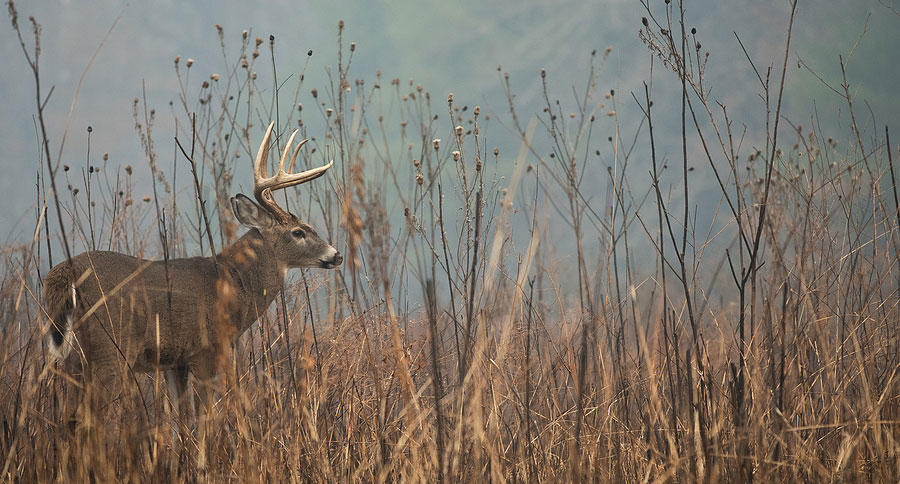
column 297, row 233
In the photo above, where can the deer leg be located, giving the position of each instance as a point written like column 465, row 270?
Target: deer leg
column 203, row 368
column 176, row 381
column 72, row 394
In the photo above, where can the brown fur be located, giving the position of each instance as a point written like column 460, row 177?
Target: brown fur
column 133, row 316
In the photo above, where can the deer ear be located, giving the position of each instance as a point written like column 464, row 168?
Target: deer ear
column 249, row 214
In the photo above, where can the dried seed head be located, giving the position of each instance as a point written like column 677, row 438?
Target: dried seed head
column 299, row 106
column 543, row 73
column 644, row 21
column 329, row 112
column 420, row 178
column 450, row 98
column 189, row 62
column 456, row 156
column 415, row 162
column 255, row 53
column 105, row 158
column 65, row 167
column 253, row 76
column 177, row 59
column 459, row 131
column 437, row 143
column 496, row 151
column 205, row 84
column 315, row 93
column 352, row 46
column 271, row 40
column 146, row 199
column 244, row 34
column 214, row 77
column 128, row 169
column 341, row 24
column 477, row 110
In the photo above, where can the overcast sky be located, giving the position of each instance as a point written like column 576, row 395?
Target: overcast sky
column 447, row 46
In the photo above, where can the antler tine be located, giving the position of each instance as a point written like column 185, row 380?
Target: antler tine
column 294, row 156
column 262, row 157
column 285, row 153
column 284, row 179
column 263, row 185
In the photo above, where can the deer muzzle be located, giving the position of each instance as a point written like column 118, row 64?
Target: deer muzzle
column 332, row 259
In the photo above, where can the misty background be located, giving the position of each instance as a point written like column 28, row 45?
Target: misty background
column 447, row 47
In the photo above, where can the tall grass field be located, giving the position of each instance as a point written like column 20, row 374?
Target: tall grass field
column 571, row 304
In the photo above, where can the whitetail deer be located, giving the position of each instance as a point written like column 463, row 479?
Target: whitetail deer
column 113, row 315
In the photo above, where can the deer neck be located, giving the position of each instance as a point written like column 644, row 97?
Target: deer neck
column 251, row 270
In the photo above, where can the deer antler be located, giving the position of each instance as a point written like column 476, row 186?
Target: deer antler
column 263, row 185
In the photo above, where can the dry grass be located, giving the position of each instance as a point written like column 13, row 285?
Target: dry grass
column 497, row 319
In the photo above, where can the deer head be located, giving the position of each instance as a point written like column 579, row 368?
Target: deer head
column 295, row 242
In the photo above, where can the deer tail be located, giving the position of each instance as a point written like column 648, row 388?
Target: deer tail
column 61, row 334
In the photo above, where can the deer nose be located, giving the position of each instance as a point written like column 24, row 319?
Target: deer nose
column 334, row 261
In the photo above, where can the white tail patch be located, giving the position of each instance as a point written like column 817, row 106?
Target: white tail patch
column 61, row 351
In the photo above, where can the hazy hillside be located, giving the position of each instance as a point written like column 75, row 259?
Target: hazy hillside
column 448, row 47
